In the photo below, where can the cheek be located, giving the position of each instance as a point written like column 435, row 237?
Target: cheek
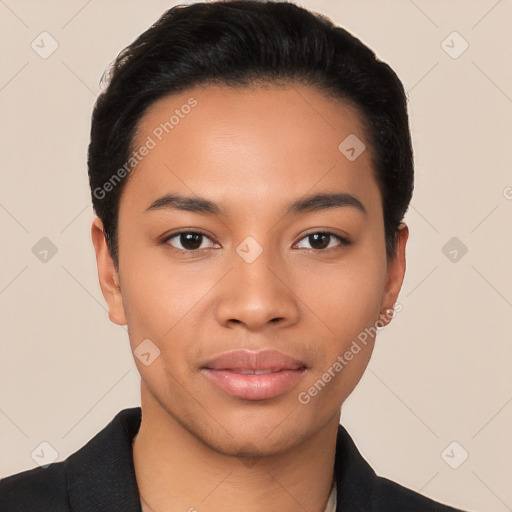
column 164, row 302
column 157, row 309
column 349, row 309
column 152, row 298
column 346, row 298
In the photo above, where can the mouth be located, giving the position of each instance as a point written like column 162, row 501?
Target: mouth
column 254, row 375
column 252, row 372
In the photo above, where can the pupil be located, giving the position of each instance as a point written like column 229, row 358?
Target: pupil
column 316, row 237
column 193, row 239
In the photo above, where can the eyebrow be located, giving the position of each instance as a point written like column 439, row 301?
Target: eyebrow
column 314, row 202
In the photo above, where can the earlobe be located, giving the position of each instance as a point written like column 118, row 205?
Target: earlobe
column 395, row 275
column 107, row 274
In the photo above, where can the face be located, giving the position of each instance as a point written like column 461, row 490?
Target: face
column 275, row 243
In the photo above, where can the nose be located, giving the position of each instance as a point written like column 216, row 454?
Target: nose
column 257, row 295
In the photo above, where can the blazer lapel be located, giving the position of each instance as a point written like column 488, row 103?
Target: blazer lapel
column 101, row 475
column 355, row 480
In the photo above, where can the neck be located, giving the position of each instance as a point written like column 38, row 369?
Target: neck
column 177, row 471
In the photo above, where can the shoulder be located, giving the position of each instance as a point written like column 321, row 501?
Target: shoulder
column 35, row 489
column 97, row 477
column 390, row 495
column 360, row 489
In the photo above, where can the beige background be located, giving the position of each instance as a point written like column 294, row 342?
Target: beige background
column 440, row 372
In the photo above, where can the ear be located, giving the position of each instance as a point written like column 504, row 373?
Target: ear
column 107, row 274
column 395, row 275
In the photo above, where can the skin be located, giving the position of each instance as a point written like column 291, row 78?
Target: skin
column 253, row 151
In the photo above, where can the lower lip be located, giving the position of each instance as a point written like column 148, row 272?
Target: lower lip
column 254, row 387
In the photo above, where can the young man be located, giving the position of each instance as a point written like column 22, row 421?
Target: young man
column 250, row 166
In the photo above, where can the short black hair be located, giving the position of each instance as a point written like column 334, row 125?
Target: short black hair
column 239, row 43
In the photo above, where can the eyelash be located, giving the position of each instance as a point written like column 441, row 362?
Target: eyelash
column 342, row 240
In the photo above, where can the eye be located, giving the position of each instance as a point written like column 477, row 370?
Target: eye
column 321, row 241
column 188, row 241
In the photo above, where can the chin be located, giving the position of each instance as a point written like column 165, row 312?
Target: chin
column 254, row 435
column 247, row 446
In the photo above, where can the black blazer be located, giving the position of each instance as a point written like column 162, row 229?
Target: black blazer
column 100, row 477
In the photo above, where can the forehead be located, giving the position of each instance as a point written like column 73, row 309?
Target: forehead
column 256, row 142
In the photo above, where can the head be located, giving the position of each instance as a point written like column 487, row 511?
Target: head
column 250, row 165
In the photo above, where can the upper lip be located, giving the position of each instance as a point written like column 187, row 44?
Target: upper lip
column 254, row 361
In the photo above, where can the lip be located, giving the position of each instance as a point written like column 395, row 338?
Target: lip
column 277, row 372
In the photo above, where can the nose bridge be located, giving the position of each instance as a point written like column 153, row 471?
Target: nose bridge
column 254, row 292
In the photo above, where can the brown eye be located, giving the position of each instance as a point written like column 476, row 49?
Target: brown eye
column 321, row 241
column 187, row 241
